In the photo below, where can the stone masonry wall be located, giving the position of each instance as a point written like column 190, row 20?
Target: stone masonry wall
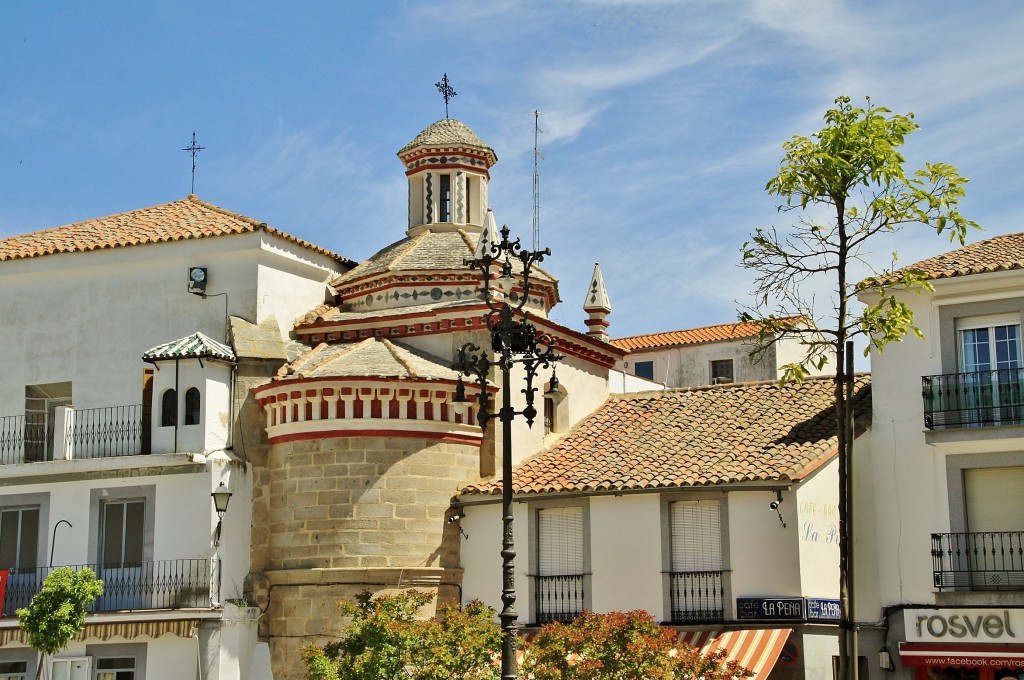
column 353, row 514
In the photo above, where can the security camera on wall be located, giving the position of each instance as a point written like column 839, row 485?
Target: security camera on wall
column 197, row 280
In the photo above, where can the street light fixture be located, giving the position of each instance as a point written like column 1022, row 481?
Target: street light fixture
column 514, row 340
column 221, row 498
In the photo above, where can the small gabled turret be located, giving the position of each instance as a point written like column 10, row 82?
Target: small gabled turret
column 597, row 305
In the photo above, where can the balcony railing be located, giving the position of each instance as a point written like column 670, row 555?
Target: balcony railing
column 984, row 560
column 974, row 399
column 558, row 598
column 70, row 433
column 696, row 596
column 164, row 584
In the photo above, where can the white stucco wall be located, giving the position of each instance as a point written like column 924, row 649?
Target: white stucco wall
column 213, row 380
column 816, row 518
column 764, row 555
column 690, row 365
column 627, row 552
column 88, row 317
column 620, row 382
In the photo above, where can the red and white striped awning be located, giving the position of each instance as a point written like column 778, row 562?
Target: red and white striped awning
column 757, row 650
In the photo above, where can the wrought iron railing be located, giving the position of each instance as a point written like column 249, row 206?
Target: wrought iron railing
column 163, row 584
column 12, row 439
column 974, row 399
column 105, row 432
column 558, row 598
column 981, row 560
column 696, row 596
column 110, row 431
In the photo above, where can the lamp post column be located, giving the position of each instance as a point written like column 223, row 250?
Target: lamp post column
column 509, row 632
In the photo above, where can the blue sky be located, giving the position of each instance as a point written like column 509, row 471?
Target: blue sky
column 662, row 120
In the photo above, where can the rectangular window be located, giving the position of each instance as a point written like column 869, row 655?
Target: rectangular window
column 122, row 532
column 644, row 369
column 115, row 668
column 559, row 581
column 19, row 539
column 444, row 199
column 695, row 580
column 13, row 670
column 41, row 402
column 70, row 668
column 721, row 371
column 989, row 357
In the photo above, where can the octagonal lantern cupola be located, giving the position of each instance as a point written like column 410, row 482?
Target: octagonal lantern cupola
column 448, row 168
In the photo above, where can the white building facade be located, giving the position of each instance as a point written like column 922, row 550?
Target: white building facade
column 940, row 499
column 117, row 413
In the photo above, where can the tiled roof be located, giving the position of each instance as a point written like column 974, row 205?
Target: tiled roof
column 194, row 346
column 373, row 357
column 333, row 313
column 444, row 133
column 705, row 436
column 693, row 336
column 188, row 218
column 429, row 250
column 1000, row 253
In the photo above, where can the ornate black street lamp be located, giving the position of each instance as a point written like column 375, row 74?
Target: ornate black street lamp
column 514, row 340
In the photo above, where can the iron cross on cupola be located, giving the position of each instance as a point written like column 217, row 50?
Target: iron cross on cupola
column 447, row 91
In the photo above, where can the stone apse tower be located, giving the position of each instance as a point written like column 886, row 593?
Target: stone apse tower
column 364, row 450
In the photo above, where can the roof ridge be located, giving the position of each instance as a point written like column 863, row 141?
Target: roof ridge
column 700, row 328
column 398, row 357
column 735, row 385
column 92, row 219
column 408, row 247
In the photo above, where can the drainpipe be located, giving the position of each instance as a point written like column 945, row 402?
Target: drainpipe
column 177, row 398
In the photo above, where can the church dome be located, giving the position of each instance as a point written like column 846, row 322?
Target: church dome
column 445, row 134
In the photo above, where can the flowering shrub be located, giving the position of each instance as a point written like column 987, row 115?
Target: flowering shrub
column 383, row 639
column 620, row 646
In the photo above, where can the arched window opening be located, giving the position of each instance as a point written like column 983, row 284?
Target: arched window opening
column 192, row 406
column 444, row 206
column 169, row 408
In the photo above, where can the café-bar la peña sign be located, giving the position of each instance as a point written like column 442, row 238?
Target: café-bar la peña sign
column 964, row 625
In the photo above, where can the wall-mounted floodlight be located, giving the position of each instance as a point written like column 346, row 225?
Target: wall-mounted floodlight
column 197, row 280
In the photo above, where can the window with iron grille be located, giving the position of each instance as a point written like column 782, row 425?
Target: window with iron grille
column 695, row 579
column 560, row 564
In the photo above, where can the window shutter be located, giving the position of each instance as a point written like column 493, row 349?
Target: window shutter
column 696, row 536
column 560, row 541
column 995, row 499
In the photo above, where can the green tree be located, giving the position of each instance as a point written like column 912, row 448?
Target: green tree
column 620, row 646
column 383, row 638
column 848, row 187
column 57, row 612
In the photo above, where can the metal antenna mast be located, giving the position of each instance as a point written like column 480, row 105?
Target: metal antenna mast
column 536, row 180
column 193, row 150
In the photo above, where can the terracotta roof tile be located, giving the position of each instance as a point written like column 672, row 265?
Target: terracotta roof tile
column 715, row 435
column 185, row 219
column 692, row 336
column 1000, row 253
